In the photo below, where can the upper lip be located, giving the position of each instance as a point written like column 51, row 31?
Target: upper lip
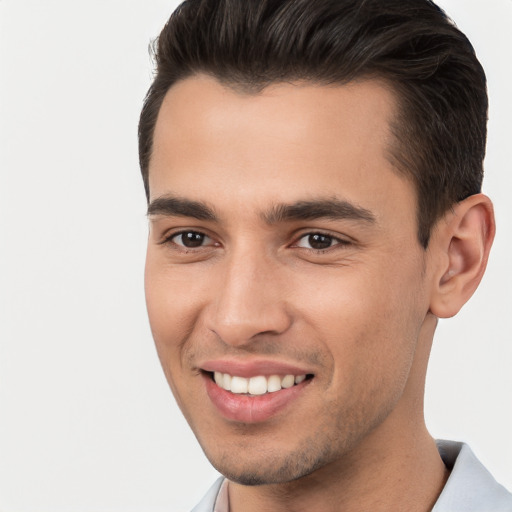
column 253, row 367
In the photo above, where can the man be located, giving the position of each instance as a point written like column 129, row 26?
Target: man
column 313, row 172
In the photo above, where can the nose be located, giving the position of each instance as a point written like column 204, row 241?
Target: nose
column 249, row 300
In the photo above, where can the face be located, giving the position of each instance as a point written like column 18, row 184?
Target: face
column 285, row 284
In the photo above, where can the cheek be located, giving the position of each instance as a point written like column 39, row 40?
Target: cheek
column 368, row 323
column 170, row 302
column 174, row 294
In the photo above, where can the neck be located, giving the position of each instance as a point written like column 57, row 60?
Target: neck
column 396, row 467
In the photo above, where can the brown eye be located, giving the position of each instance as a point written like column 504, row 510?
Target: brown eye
column 318, row 241
column 191, row 239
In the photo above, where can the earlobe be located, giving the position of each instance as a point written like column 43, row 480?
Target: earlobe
column 462, row 240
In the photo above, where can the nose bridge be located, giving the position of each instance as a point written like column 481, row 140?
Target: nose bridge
column 249, row 300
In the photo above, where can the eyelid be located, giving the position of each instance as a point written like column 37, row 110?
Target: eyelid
column 169, row 236
column 337, row 239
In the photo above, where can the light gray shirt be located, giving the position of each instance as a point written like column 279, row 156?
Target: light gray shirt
column 470, row 487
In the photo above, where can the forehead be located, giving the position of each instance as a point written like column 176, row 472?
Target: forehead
column 286, row 142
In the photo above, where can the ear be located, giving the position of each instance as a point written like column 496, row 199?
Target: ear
column 460, row 248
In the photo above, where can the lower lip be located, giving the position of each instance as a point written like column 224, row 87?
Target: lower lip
column 251, row 409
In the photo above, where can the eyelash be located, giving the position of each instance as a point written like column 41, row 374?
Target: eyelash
column 171, row 239
column 336, row 242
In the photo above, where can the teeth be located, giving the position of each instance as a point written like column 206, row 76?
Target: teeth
column 226, row 382
column 258, row 385
column 274, row 383
column 288, row 381
column 239, row 384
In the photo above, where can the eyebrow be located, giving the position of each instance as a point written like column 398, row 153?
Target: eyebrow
column 332, row 209
column 180, row 207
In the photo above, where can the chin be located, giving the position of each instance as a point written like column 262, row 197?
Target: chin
column 268, row 469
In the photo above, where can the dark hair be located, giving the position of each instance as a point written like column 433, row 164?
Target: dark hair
column 440, row 126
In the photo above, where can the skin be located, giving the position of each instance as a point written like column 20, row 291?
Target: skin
column 359, row 315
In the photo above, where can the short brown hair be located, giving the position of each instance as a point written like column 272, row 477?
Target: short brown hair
column 440, row 128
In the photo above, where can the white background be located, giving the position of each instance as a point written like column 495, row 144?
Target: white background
column 86, row 420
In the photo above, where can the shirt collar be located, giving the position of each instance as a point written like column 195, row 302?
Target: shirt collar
column 470, row 487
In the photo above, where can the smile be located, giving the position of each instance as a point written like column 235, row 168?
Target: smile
column 258, row 385
column 256, row 398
